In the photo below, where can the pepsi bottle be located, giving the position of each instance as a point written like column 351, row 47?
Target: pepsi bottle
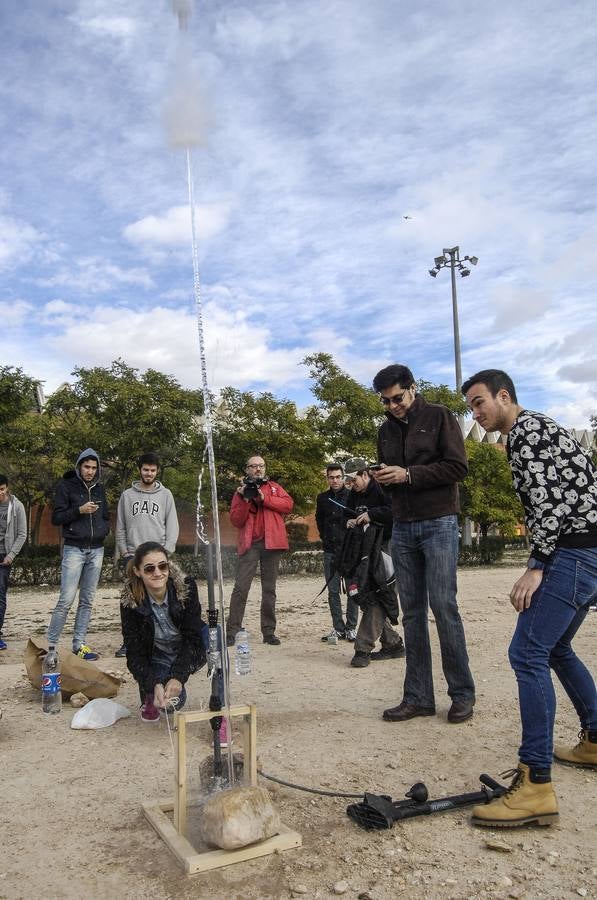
column 51, row 694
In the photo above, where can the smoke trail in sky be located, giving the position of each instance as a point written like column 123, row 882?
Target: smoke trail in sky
column 183, row 9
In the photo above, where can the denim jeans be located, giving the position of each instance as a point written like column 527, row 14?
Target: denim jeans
column 333, row 582
column 4, row 576
column 542, row 640
column 162, row 667
column 425, row 555
column 81, row 568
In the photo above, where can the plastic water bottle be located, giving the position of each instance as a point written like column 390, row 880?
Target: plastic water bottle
column 51, row 695
column 242, row 662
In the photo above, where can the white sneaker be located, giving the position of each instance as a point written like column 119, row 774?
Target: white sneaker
column 351, row 634
column 334, row 635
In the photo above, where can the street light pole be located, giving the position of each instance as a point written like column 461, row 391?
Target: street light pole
column 451, row 258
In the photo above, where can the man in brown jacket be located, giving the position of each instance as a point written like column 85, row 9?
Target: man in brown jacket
column 421, row 451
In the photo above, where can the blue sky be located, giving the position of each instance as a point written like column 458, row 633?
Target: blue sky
column 318, row 125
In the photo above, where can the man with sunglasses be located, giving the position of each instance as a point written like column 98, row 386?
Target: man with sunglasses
column 421, row 451
column 259, row 507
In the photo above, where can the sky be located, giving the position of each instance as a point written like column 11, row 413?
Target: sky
column 337, row 147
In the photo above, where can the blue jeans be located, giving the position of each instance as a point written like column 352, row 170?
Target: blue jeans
column 81, row 568
column 162, row 668
column 542, row 641
column 425, row 555
column 4, row 576
column 333, row 582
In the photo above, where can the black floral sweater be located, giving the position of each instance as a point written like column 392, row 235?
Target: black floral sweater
column 556, row 482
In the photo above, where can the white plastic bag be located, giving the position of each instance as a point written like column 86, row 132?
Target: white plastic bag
column 99, row 713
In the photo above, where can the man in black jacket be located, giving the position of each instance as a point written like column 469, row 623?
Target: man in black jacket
column 372, row 507
column 81, row 509
column 331, row 521
column 421, row 450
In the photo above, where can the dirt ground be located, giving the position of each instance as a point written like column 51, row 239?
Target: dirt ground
column 70, row 801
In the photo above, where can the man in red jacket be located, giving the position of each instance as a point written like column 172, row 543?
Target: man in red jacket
column 258, row 509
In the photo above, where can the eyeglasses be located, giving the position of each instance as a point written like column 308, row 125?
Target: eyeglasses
column 256, row 466
column 396, row 399
column 150, row 568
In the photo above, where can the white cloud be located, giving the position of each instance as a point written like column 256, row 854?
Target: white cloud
column 15, row 313
column 94, row 275
column 17, row 240
column 174, row 227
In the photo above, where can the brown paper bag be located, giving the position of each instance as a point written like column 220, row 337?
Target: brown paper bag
column 77, row 674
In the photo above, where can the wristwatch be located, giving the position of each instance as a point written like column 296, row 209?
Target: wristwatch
column 535, row 564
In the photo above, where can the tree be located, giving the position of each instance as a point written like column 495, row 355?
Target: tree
column 349, row 414
column 248, row 424
column 486, row 494
column 17, row 394
column 121, row 412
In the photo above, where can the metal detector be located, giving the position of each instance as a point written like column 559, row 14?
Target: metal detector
column 378, row 811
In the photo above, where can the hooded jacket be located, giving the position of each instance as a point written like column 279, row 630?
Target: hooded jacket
column 16, row 528
column 331, row 519
column 276, row 505
column 138, row 630
column 146, row 516
column 84, row 530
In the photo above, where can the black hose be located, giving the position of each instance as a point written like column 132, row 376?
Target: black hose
column 301, row 787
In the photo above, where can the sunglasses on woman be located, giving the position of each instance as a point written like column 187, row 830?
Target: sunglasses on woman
column 151, row 567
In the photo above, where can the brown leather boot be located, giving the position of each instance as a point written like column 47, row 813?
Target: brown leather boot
column 524, row 802
column 584, row 754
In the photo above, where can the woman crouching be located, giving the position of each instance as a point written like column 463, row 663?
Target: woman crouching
column 161, row 625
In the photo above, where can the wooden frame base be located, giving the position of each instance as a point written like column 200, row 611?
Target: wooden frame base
column 172, row 829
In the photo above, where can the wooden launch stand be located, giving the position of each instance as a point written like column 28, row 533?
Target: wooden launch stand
column 170, row 818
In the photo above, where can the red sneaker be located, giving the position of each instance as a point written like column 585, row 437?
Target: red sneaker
column 149, row 712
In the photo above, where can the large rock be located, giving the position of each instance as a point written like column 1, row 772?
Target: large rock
column 237, row 817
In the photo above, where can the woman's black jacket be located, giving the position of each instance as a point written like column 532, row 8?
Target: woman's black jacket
column 138, row 631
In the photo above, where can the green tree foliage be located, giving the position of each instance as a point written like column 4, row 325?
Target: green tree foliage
column 17, row 394
column 487, row 495
column 248, row 424
column 347, row 415
column 121, row 413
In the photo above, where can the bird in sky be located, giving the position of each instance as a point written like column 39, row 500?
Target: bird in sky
column 407, row 217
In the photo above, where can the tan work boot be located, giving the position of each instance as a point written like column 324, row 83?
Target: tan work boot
column 523, row 802
column 584, row 754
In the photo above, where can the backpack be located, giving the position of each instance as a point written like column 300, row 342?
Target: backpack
column 361, row 566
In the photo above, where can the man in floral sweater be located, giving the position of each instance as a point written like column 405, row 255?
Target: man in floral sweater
column 557, row 485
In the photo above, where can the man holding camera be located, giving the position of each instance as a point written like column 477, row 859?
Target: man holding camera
column 258, row 509
column 80, row 507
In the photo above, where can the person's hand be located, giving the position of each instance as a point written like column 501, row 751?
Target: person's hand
column 241, row 490
column 173, row 689
column 159, row 696
column 390, row 475
column 89, row 507
column 6, row 561
column 351, row 523
column 260, row 495
column 363, row 519
column 523, row 590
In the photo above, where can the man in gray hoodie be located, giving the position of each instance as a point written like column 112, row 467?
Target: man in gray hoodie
column 146, row 512
column 13, row 533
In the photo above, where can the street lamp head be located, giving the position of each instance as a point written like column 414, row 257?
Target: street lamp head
column 433, row 273
column 439, row 261
column 464, row 272
column 472, row 259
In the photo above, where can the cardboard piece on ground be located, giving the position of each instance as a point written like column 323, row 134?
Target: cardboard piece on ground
column 77, row 674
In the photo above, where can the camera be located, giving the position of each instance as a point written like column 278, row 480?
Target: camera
column 252, row 485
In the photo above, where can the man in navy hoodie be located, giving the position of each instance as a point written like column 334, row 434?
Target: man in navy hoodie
column 81, row 509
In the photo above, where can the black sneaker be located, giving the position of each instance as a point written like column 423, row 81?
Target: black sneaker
column 396, row 652
column 360, row 660
column 271, row 639
column 121, row 651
